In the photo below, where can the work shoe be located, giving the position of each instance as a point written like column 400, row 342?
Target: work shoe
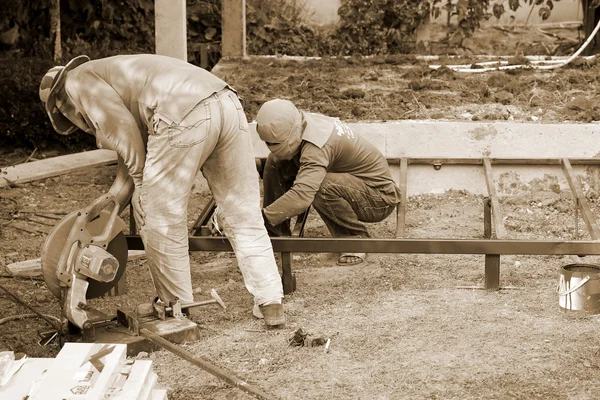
column 272, row 314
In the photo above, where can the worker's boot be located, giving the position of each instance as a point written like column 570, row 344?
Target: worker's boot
column 272, row 314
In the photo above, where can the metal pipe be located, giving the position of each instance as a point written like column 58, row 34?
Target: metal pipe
column 493, row 161
column 205, row 365
column 406, row 246
column 56, row 326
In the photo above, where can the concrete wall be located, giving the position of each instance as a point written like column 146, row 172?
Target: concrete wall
column 446, row 139
column 325, row 12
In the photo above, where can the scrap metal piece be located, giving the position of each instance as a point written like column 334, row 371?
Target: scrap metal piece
column 176, row 309
column 297, row 337
column 215, row 295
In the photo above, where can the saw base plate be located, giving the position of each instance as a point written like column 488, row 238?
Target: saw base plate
column 174, row 330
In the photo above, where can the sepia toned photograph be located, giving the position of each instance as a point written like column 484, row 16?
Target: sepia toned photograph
column 299, row 199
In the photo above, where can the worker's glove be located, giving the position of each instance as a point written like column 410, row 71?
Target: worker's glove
column 138, row 212
column 273, row 231
column 265, row 220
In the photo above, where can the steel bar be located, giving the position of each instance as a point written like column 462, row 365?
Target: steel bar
column 287, row 261
column 204, row 217
column 586, row 212
column 287, row 277
column 55, row 325
column 492, row 261
column 576, row 218
column 401, row 208
column 298, row 230
column 499, row 228
column 402, row 246
column 205, row 365
column 132, row 224
column 494, row 161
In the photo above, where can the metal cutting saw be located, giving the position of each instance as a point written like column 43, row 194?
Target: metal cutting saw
column 85, row 254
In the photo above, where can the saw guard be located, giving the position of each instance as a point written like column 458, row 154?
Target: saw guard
column 57, row 241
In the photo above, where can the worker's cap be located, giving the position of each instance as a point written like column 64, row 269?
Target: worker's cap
column 51, row 84
column 277, row 120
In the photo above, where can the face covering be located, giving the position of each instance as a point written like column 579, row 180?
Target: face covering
column 287, row 149
column 279, row 125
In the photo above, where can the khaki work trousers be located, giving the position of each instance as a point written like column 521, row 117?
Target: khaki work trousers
column 215, row 139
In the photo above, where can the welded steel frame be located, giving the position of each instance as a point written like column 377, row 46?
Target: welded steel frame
column 493, row 245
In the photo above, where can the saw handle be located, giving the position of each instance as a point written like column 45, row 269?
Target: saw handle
column 93, row 211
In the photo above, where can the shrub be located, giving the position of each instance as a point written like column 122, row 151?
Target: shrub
column 23, row 119
column 378, row 26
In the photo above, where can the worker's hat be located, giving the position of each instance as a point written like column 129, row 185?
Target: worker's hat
column 51, row 83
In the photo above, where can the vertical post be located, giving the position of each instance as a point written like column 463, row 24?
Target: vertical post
column 204, row 56
column 576, row 233
column 423, row 33
column 401, row 208
column 233, row 28
column 492, row 261
column 55, row 29
column 170, row 28
column 288, row 280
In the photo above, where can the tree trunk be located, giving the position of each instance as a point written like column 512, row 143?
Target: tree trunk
column 55, row 29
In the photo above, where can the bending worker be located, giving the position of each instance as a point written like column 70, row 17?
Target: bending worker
column 318, row 160
column 168, row 119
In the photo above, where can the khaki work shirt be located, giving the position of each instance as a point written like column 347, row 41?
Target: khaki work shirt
column 120, row 96
column 329, row 145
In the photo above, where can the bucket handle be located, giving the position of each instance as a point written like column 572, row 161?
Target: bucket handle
column 580, row 284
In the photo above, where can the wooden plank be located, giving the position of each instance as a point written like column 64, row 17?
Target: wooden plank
column 159, row 394
column 491, row 187
column 138, row 381
column 401, row 208
column 33, row 267
column 27, row 268
column 82, row 371
column 146, row 393
column 25, row 381
column 586, row 212
column 56, row 166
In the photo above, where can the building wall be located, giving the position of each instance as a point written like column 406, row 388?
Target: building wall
column 325, row 12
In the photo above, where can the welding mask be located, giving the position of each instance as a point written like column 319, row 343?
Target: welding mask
column 279, row 125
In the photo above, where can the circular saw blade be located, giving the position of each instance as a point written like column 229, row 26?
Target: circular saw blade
column 56, row 241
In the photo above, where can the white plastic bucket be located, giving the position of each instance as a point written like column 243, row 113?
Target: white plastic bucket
column 579, row 288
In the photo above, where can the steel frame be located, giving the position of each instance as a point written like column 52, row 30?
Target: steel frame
column 494, row 244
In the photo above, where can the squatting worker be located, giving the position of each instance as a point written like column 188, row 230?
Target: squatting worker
column 168, row 119
column 318, row 160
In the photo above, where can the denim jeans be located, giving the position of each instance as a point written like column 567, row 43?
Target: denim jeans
column 215, row 139
column 343, row 201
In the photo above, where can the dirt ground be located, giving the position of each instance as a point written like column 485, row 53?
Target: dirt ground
column 401, row 326
column 396, row 87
